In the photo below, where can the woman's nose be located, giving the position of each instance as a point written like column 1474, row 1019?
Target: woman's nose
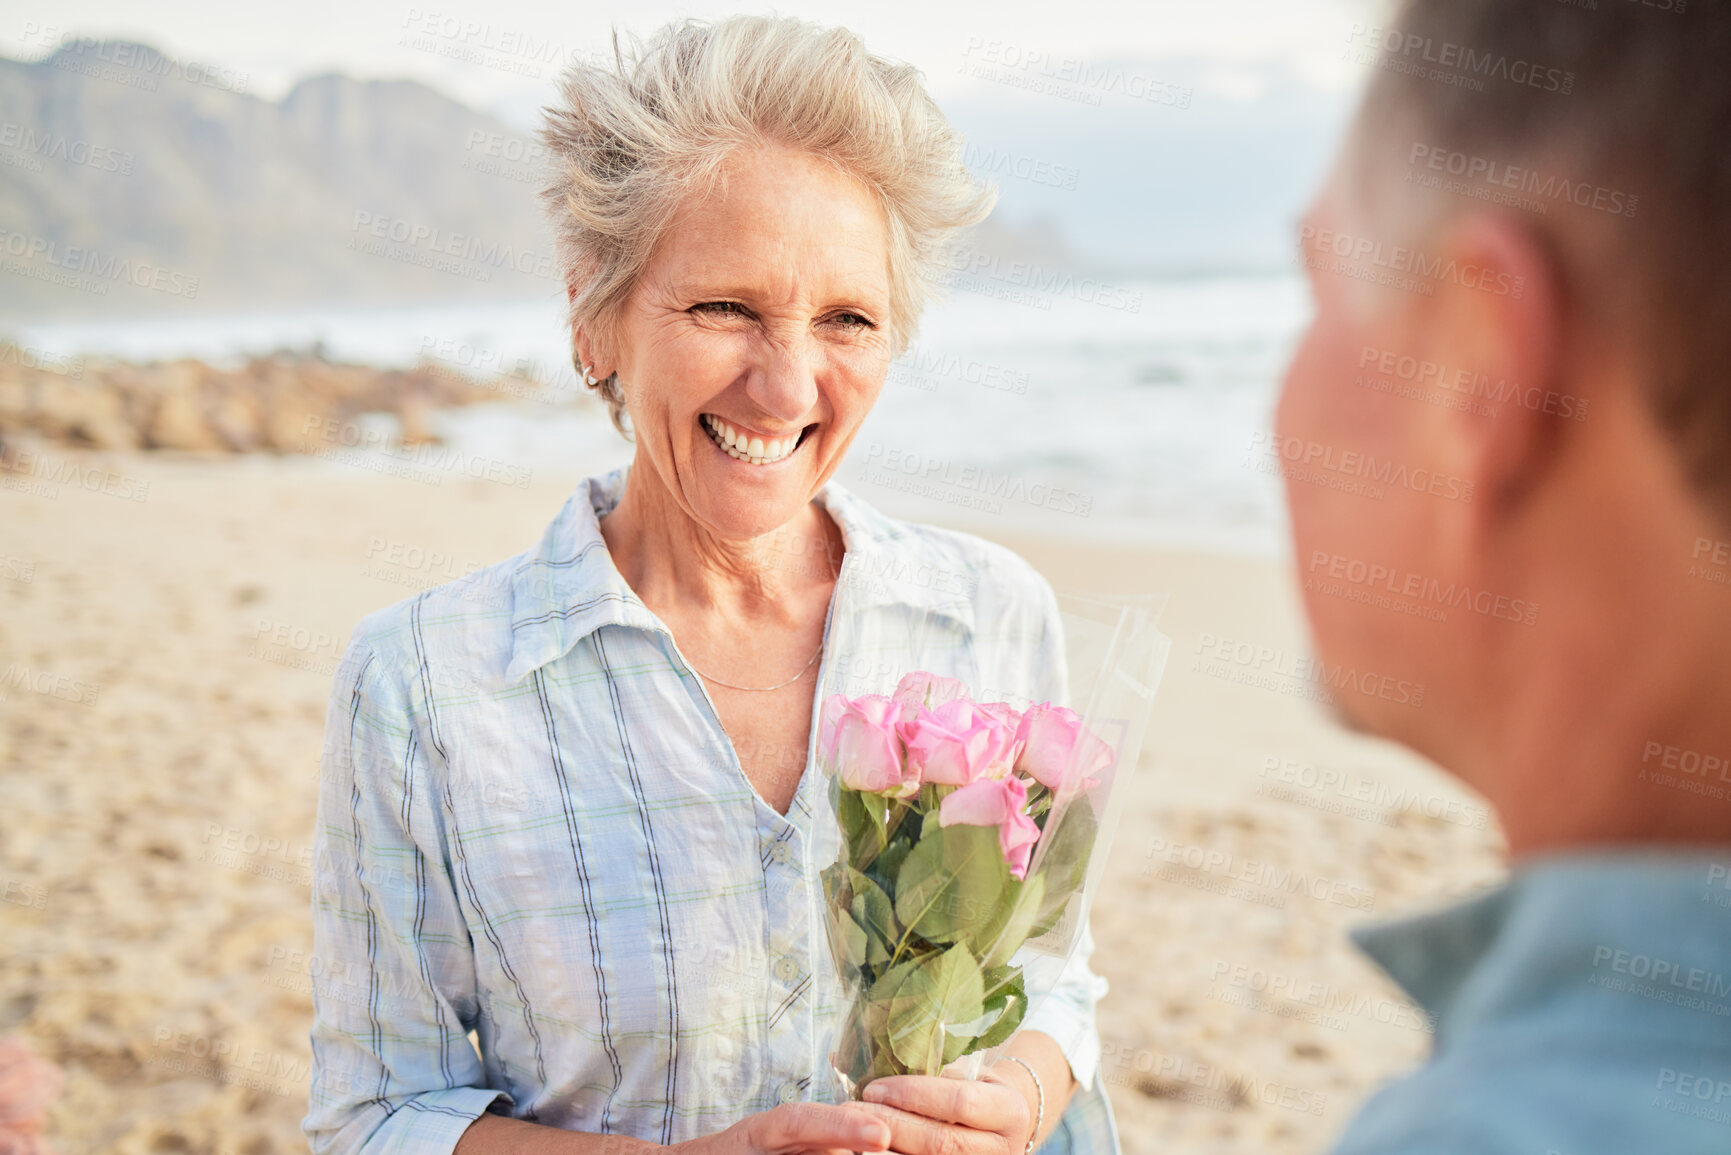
column 785, row 385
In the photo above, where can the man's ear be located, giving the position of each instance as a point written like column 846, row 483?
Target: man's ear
column 1499, row 327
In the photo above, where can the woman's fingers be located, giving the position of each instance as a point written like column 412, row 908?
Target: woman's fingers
column 982, row 1105
column 816, row 1126
column 912, row 1134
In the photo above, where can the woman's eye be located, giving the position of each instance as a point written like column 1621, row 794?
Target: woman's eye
column 721, row 308
column 853, row 320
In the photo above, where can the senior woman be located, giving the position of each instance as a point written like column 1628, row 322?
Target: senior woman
column 570, row 828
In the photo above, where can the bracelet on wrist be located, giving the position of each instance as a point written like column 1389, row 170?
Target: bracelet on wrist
column 1039, row 1099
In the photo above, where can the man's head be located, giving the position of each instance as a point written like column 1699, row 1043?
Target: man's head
column 1509, row 427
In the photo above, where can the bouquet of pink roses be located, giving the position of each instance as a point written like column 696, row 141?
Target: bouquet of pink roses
column 967, row 829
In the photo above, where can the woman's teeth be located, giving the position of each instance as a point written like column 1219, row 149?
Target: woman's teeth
column 752, row 450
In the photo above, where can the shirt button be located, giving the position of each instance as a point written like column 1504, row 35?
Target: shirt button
column 786, row 969
column 789, row 1092
column 780, row 852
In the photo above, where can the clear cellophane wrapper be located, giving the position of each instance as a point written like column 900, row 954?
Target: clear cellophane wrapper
column 973, row 811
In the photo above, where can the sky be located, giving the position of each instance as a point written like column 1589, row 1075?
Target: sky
column 1194, row 148
column 490, row 53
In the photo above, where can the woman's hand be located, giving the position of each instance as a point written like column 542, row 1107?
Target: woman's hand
column 795, row 1129
column 791, row 1129
column 933, row 1116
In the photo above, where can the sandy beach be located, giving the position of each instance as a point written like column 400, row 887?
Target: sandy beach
column 170, row 628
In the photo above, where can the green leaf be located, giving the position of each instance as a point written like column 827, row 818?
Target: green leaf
column 1011, row 1002
column 856, row 941
column 861, row 816
column 876, row 916
column 1065, row 863
column 997, row 980
column 952, row 881
column 942, row 990
column 1007, row 931
column 835, row 881
column 887, row 869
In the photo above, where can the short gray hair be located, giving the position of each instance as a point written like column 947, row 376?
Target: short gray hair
column 630, row 141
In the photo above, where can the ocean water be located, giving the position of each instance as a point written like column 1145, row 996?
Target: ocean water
column 1126, row 412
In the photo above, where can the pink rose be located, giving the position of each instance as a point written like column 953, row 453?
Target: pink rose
column 923, row 689
column 996, row 802
column 858, row 737
column 957, row 743
column 1055, row 743
column 1011, row 719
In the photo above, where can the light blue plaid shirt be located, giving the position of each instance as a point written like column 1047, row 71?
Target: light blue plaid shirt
column 532, row 826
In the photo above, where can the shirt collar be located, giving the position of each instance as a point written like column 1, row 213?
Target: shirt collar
column 567, row 586
column 1549, row 928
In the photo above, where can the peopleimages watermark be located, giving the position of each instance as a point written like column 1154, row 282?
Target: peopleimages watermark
column 519, row 51
column 1401, row 591
column 1398, row 267
column 1183, row 1080
column 47, row 684
column 1450, row 387
column 405, row 563
column 491, row 367
column 30, row 147
column 1708, row 775
column 32, row 356
column 1348, row 470
column 1660, row 979
column 375, row 448
column 925, row 369
column 88, row 270
column 262, row 855
column 1027, row 283
column 345, row 981
column 17, row 569
column 39, row 474
column 211, row 1056
column 1706, row 1097
column 1515, row 186
column 1071, row 78
column 976, row 486
column 133, row 65
column 297, row 647
column 1008, row 165
column 1276, row 670
column 1285, row 996
column 1336, row 791
column 430, row 247
column 512, row 157
column 1446, row 62
column 1718, row 878
column 1711, row 561
column 1265, row 883
column 25, row 894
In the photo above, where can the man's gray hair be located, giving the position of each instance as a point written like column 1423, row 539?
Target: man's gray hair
column 631, row 140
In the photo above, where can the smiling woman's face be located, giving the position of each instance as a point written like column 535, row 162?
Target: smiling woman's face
column 757, row 340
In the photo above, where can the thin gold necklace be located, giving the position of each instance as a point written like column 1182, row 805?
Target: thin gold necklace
column 764, row 689
column 759, row 689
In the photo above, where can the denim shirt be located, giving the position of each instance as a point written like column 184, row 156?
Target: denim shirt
column 1583, row 1009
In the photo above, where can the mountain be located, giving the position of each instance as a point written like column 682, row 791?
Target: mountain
column 130, row 185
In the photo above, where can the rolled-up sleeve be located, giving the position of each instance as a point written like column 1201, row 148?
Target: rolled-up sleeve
column 394, row 995
column 1066, row 1010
